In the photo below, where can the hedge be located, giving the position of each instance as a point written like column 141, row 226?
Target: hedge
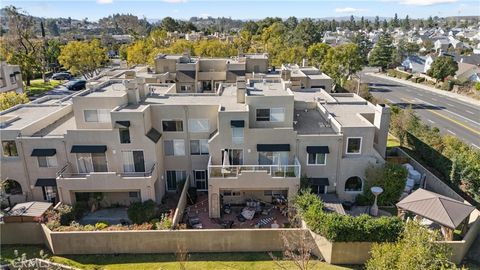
column 345, row 228
column 398, row 74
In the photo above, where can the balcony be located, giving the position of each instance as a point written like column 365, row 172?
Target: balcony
column 68, row 172
column 274, row 171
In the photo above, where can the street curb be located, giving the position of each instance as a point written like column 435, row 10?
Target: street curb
column 428, row 88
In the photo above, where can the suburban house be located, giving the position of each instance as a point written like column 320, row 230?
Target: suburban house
column 441, row 44
column 10, row 78
column 415, row 64
column 231, row 127
column 468, row 72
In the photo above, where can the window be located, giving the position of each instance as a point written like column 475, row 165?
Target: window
column 228, row 193
column 133, row 161
column 263, row 114
column 317, row 159
column 200, row 179
column 185, row 88
column 277, row 115
column 273, row 158
column 175, row 148
column 173, row 177
column 49, row 193
column 9, row 149
column 124, row 134
column 199, row 147
column 13, row 79
column 354, row 145
column 354, row 184
column 133, row 194
column 237, row 135
column 198, row 125
column 12, row 187
column 172, row 125
column 235, row 156
column 272, row 115
column 47, row 162
column 92, row 162
column 98, row 116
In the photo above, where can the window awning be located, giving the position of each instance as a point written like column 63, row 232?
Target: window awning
column 46, row 182
column 322, row 181
column 43, row 152
column 273, row 147
column 123, row 124
column 318, row 150
column 237, row 123
column 89, row 149
column 154, row 135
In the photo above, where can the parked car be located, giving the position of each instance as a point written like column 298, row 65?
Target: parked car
column 75, row 85
column 61, row 76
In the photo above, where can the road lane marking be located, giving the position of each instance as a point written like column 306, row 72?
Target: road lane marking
column 430, row 121
column 449, row 118
column 408, row 90
column 451, row 105
column 453, row 133
column 434, row 99
column 469, row 112
column 454, row 113
column 389, row 100
column 420, row 94
column 476, row 146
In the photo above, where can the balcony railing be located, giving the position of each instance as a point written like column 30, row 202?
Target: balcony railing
column 67, row 172
column 275, row 171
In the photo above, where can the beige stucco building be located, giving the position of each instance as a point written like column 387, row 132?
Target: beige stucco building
column 10, row 78
column 232, row 127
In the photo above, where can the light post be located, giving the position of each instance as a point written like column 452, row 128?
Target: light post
column 376, row 191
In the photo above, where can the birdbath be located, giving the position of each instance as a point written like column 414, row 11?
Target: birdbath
column 376, row 191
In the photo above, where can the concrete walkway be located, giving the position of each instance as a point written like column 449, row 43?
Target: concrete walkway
column 428, row 88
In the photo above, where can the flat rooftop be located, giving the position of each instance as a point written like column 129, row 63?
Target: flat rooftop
column 26, row 115
column 227, row 100
column 112, row 90
column 59, row 127
column 310, row 122
column 350, row 115
column 267, row 89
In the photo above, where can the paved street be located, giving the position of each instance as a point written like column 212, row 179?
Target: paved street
column 451, row 116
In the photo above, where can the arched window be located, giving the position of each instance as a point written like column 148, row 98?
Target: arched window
column 12, row 187
column 354, row 183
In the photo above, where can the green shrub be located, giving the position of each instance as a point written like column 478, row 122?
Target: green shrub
column 345, row 228
column 101, row 225
column 89, row 227
column 477, row 86
column 390, row 177
column 141, row 212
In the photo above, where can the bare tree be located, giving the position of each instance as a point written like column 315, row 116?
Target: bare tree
column 297, row 250
column 181, row 256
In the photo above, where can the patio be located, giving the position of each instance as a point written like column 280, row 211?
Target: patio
column 199, row 211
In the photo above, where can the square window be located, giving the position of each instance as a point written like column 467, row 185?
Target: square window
column 9, row 149
column 172, row 125
column 198, row 125
column 317, row 159
column 354, row 145
column 277, row 115
column 47, row 162
column 263, row 115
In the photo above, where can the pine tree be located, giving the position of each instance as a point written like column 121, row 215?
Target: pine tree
column 382, row 53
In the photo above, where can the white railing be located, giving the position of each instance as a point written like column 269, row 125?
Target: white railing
column 275, row 171
column 67, row 172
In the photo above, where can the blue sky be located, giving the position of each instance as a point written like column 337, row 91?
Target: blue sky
column 247, row 9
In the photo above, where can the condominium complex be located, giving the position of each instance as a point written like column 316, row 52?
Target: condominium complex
column 234, row 127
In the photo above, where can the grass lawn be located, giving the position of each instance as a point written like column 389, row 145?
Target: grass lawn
column 392, row 141
column 38, row 86
column 197, row 261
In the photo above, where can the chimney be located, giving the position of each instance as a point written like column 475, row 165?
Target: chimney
column 133, row 94
column 241, row 89
column 382, row 123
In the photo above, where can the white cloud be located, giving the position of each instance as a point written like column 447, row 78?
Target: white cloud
column 104, row 2
column 425, row 2
column 174, row 1
column 349, row 10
